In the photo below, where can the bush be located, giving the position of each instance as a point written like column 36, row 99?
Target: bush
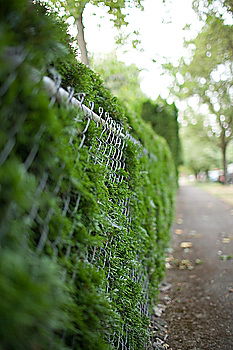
column 77, row 271
column 163, row 119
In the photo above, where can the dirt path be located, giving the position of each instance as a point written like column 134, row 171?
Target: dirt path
column 200, row 301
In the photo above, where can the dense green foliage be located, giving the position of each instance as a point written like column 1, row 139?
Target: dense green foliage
column 163, row 119
column 117, row 9
column 68, row 254
column 218, row 8
column 74, row 10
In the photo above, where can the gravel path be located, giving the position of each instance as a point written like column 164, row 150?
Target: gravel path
column 199, row 310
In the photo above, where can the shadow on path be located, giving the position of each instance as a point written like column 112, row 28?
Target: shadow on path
column 200, row 270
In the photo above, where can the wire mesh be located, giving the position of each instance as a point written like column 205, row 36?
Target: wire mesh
column 106, row 150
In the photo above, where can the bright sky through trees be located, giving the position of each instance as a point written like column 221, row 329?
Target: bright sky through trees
column 161, row 34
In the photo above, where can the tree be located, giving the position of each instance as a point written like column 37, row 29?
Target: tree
column 123, row 80
column 209, row 76
column 199, row 153
column 75, row 9
column 215, row 8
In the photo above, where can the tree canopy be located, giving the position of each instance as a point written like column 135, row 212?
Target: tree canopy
column 123, row 80
column 213, row 7
column 209, row 77
column 117, row 9
column 199, row 153
column 114, row 8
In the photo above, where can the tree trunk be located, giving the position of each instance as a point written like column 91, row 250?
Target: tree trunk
column 224, row 159
column 224, row 163
column 81, row 40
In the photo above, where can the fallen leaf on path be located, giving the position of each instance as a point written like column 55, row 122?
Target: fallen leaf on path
column 185, row 264
column 194, row 233
column 186, row 250
column 159, row 309
column 165, row 287
column 169, row 250
column 179, row 231
column 186, row 244
column 168, row 266
column 226, row 240
column 198, row 262
column 169, row 258
column 226, row 257
column 179, row 221
column 176, row 262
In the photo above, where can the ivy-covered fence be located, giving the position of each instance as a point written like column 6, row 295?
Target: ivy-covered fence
column 85, row 210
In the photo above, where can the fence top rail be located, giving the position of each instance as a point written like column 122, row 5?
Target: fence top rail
column 61, row 95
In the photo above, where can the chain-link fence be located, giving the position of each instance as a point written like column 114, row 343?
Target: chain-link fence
column 108, row 151
column 85, row 208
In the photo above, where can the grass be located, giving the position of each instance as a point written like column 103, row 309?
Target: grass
column 224, row 192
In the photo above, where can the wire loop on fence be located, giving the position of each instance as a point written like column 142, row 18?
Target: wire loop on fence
column 71, row 94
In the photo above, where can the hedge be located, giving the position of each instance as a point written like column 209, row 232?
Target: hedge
column 76, row 273
column 163, row 119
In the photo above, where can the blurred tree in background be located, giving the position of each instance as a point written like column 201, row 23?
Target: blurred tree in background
column 75, row 9
column 199, row 151
column 216, row 8
column 208, row 75
column 123, row 80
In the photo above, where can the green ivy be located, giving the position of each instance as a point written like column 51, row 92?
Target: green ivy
column 68, row 253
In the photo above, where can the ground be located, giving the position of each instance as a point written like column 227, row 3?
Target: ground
column 198, row 293
column 224, row 192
